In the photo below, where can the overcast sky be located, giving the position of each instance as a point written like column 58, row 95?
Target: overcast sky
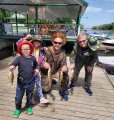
column 98, row 12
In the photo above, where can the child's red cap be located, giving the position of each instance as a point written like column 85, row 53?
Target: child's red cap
column 22, row 43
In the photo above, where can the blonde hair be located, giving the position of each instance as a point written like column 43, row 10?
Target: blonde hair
column 59, row 35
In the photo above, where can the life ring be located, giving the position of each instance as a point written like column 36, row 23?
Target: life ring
column 43, row 30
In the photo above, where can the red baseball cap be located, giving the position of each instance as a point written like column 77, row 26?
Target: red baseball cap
column 22, row 43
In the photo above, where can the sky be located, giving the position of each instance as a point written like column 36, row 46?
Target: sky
column 98, row 12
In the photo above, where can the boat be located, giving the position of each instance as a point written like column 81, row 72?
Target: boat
column 108, row 42
column 98, row 35
column 107, row 63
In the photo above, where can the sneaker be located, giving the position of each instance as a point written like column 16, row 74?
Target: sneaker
column 64, row 95
column 16, row 113
column 89, row 91
column 43, row 100
column 70, row 86
column 29, row 111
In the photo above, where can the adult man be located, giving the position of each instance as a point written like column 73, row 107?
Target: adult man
column 85, row 53
column 56, row 61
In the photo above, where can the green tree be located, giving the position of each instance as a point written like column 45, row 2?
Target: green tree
column 104, row 27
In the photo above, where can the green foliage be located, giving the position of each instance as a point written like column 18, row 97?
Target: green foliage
column 63, row 21
column 104, row 27
column 4, row 14
column 56, row 21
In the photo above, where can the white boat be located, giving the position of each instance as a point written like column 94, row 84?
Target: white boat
column 107, row 63
column 108, row 42
column 99, row 36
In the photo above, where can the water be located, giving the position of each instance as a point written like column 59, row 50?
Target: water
column 6, row 52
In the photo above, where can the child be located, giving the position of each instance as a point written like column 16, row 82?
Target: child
column 39, row 53
column 27, row 69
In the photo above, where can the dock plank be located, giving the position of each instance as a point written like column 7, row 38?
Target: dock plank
column 80, row 106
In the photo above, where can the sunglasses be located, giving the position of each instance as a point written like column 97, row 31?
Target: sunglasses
column 83, row 41
column 59, row 43
column 37, row 41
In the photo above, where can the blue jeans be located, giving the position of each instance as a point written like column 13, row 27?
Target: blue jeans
column 20, row 90
column 38, row 85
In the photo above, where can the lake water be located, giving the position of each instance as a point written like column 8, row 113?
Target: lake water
column 6, row 52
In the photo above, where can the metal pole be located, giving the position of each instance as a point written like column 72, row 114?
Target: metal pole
column 40, row 4
column 36, row 20
column 16, row 22
column 78, row 20
column 27, row 24
column 14, row 52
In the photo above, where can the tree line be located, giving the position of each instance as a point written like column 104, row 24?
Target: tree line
column 104, row 27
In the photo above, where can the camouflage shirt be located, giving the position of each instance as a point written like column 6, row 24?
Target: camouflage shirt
column 56, row 60
column 87, row 55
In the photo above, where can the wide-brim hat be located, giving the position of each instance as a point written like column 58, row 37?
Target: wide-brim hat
column 93, row 43
column 38, row 38
column 22, row 43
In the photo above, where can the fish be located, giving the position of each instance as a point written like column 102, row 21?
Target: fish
column 71, row 75
column 11, row 77
column 49, row 78
column 60, row 77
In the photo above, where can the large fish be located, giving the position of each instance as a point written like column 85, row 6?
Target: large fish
column 11, row 77
column 60, row 77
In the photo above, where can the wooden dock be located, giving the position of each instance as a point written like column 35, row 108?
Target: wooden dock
column 80, row 106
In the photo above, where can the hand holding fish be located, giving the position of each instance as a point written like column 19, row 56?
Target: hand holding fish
column 12, row 68
column 46, row 65
column 72, row 66
column 64, row 69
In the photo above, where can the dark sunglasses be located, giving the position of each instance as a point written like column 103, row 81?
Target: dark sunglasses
column 59, row 43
